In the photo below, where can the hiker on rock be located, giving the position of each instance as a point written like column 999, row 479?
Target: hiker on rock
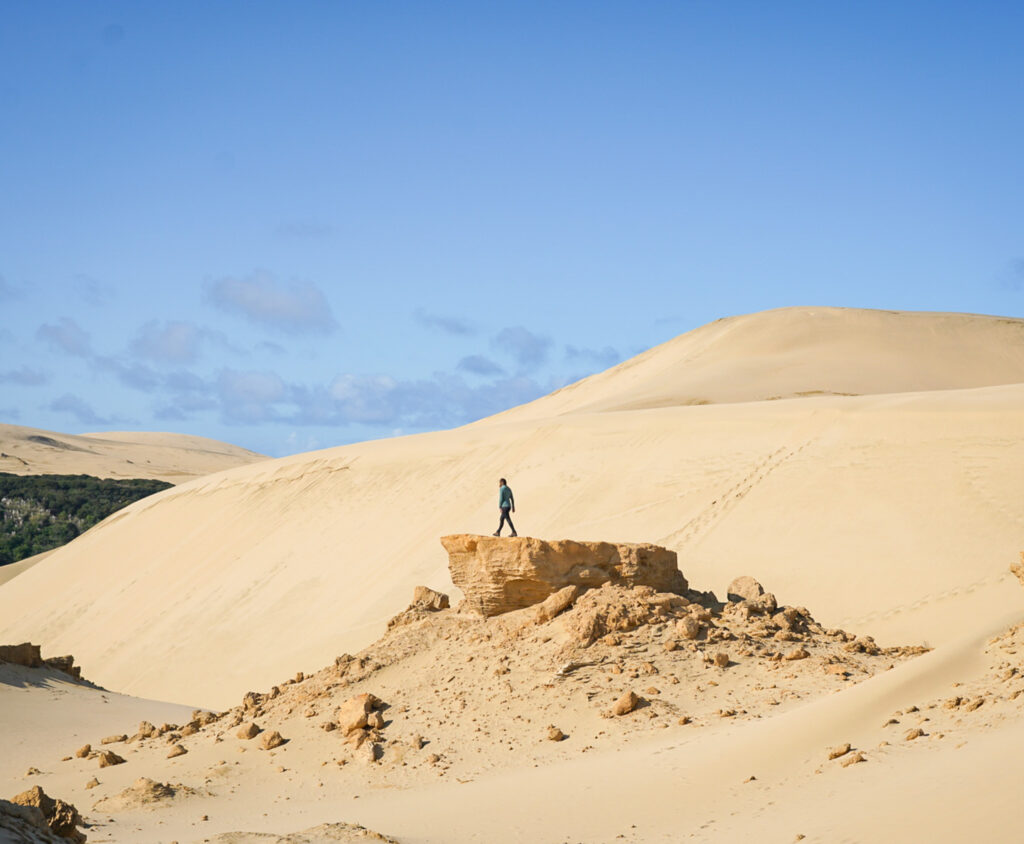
column 507, row 504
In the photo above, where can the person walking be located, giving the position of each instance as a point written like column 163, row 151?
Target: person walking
column 506, row 504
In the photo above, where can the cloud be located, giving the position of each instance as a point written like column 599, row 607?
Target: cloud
column 91, row 291
column 251, row 396
column 1015, row 275
column 306, row 229
column 601, row 358
column 79, row 408
column 479, row 365
column 7, row 291
column 169, row 342
column 295, row 308
column 136, row 375
column 527, row 349
column 67, row 336
column 448, row 324
column 271, row 348
column 24, row 377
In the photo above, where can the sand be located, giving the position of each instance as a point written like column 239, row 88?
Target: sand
column 894, row 512
column 116, row 454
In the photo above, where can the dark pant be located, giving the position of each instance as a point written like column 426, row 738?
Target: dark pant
column 505, row 518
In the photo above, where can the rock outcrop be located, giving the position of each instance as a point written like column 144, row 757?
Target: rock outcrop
column 498, row 575
column 62, row 818
column 29, row 656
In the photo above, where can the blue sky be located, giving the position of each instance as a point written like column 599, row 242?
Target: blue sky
column 293, row 225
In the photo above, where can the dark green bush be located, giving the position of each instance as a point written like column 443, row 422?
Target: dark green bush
column 42, row 512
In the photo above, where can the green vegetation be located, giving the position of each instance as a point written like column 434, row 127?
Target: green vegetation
column 42, row 512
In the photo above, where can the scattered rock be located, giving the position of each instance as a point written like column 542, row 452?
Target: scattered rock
column 424, row 598
column 555, row 734
column 688, row 627
column 375, row 721
column 797, row 653
column 498, row 575
column 721, row 659
column 744, row 589
column 841, row 750
column 917, row 732
column 83, row 751
column 108, row 758
column 271, row 740
column 62, row 818
column 626, row 704
column 354, row 713
column 248, row 731
column 114, row 739
column 853, row 759
column 92, row 783
column 176, row 750
column 556, row 603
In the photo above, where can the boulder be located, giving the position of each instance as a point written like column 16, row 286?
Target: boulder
column 83, row 751
column 744, row 589
column 552, row 605
column 108, row 758
column 688, row 627
column 354, row 713
column 176, row 750
column 62, row 818
column 498, row 575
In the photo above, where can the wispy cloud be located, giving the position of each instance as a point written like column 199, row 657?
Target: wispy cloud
column 92, row 291
column 66, row 336
column 448, row 324
column 172, row 342
column 527, row 349
column 479, row 365
column 24, row 376
column 7, row 291
column 296, row 307
column 79, row 408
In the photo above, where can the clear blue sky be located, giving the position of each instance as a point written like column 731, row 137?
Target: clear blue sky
column 292, row 225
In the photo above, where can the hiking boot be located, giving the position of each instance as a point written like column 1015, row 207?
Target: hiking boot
column 514, row 533
column 497, row 534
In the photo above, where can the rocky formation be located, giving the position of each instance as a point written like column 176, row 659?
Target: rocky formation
column 61, row 818
column 498, row 575
column 25, row 825
column 28, row 655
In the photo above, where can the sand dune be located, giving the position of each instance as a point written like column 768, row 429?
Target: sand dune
column 885, row 510
column 117, row 454
column 802, row 352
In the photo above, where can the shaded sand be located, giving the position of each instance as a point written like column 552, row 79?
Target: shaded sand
column 116, row 454
column 14, row 569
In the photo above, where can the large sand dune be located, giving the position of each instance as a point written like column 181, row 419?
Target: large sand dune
column 117, row 454
column 895, row 511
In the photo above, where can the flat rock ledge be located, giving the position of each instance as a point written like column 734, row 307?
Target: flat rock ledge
column 501, row 574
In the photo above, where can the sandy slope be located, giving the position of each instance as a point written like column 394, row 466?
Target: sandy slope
column 894, row 511
column 116, row 454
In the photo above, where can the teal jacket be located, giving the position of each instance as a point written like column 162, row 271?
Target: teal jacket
column 505, row 497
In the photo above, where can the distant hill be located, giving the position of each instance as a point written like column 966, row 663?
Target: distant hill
column 117, row 454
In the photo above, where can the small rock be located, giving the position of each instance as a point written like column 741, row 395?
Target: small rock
column 744, row 588
column 688, row 627
column 721, row 659
column 272, row 740
column 248, row 731
column 108, row 758
column 797, row 653
column 114, row 739
column 417, row 742
column 554, row 604
column 32, row 771
column 83, row 751
column 92, row 783
column 841, row 750
column 555, row 734
column 917, row 732
column 375, row 721
column 626, row 704
column 853, row 759
column 177, row 750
